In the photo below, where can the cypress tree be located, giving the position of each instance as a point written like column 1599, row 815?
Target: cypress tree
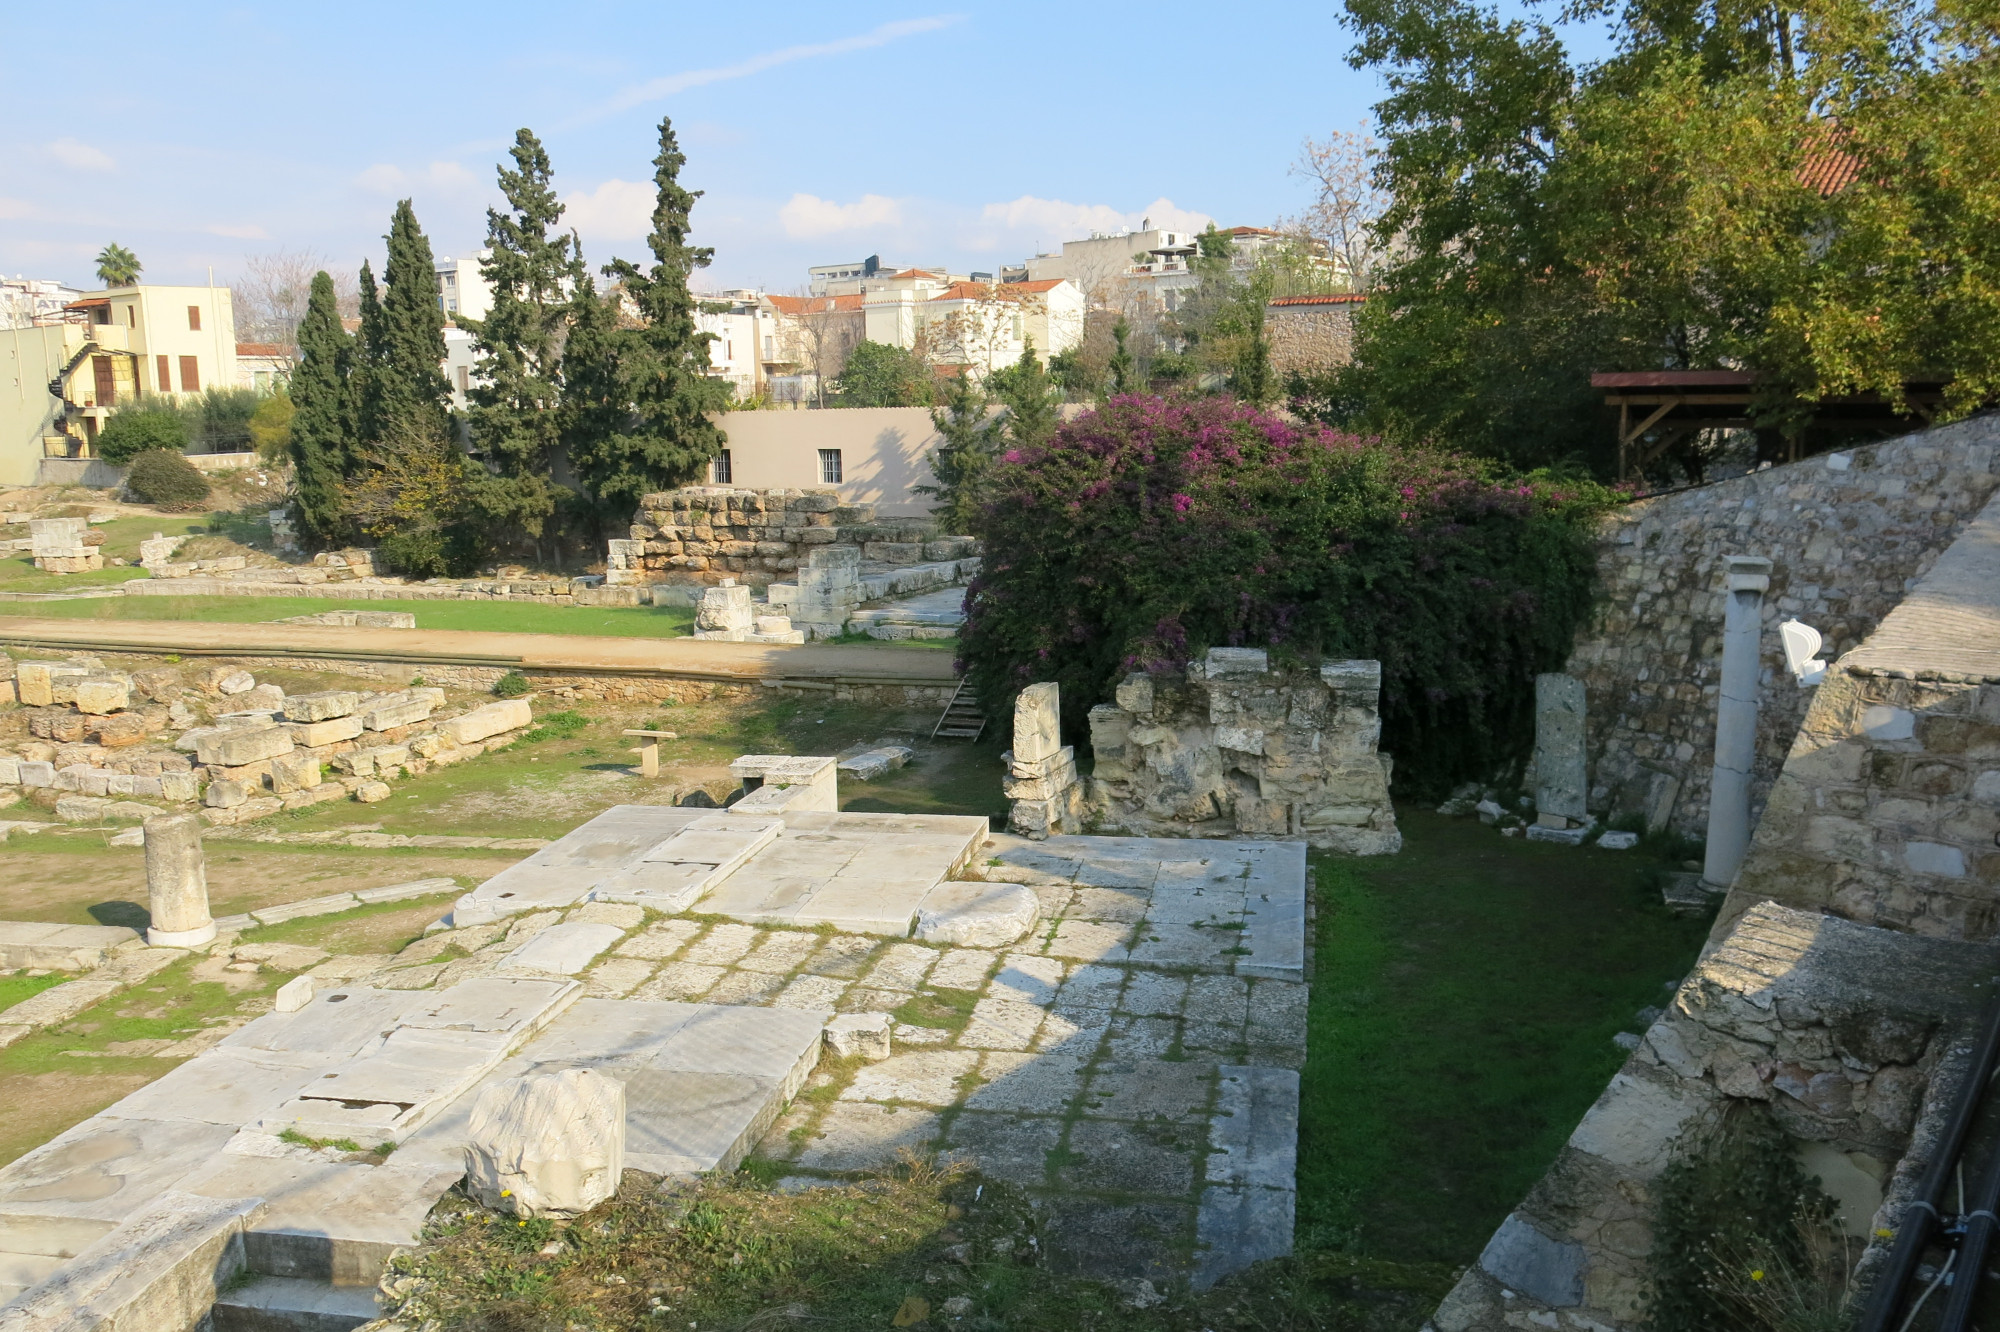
column 414, row 398
column 665, row 437
column 322, row 438
column 1029, row 396
column 365, row 379
column 514, row 418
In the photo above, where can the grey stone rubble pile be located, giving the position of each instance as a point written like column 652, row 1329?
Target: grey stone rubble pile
column 261, row 751
column 357, row 619
column 1041, row 775
column 156, row 556
column 1236, row 747
column 700, row 534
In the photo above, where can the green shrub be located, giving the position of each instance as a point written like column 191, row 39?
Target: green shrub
column 135, row 431
column 1153, row 529
column 168, row 480
column 557, row 726
column 511, row 685
column 222, row 418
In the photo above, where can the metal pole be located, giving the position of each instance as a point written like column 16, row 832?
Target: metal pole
column 1735, row 721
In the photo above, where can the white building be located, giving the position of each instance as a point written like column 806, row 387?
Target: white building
column 744, row 324
column 26, row 301
column 461, row 289
column 1153, row 262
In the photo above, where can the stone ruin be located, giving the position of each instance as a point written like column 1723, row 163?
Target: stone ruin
column 727, row 615
column 1041, row 770
column 65, row 545
column 1241, row 748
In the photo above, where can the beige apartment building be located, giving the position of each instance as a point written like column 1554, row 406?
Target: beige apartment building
column 62, row 376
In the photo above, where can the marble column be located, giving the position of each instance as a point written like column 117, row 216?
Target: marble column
column 177, row 882
column 1749, row 577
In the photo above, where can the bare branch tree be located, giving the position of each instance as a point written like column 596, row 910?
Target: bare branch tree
column 1349, row 203
column 270, row 297
column 822, row 335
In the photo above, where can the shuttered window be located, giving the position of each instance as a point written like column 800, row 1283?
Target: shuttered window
column 194, row 319
column 166, row 381
column 190, row 375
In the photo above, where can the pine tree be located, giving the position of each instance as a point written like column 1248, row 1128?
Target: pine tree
column 322, row 434
column 1030, row 397
column 960, row 464
column 1121, row 359
column 666, row 437
column 594, row 400
column 514, row 417
column 415, row 397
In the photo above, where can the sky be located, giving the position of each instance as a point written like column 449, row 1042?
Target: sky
column 925, row 131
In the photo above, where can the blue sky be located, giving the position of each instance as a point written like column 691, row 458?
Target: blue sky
column 967, row 134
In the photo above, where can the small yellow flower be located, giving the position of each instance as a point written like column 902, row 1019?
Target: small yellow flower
column 506, row 1193
column 1756, row 1274
column 1885, row 1234
column 1760, row 1275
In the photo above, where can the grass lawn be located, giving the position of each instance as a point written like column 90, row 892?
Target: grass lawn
column 1465, row 996
column 121, row 541
column 513, row 617
column 15, row 988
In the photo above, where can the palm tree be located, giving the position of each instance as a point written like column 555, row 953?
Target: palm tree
column 118, row 266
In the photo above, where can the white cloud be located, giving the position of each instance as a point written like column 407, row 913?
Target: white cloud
column 1054, row 221
column 654, row 89
column 805, row 215
column 80, row 156
column 384, row 178
column 239, row 231
column 615, row 210
column 14, row 210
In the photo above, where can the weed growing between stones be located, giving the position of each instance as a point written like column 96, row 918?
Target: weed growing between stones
column 1742, row 1238
column 913, row 1247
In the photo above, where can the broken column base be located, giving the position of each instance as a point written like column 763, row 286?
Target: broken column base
column 194, row 938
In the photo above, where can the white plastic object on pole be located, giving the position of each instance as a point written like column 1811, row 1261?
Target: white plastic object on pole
column 1749, row 578
column 1802, row 643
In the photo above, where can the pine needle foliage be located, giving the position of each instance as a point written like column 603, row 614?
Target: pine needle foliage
column 962, row 462
column 1148, row 531
column 413, row 397
column 517, row 390
column 649, row 427
column 321, row 442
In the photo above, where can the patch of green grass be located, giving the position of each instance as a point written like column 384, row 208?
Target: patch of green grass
column 13, row 989
column 172, row 1005
column 298, row 1139
column 947, row 1010
column 1465, row 995
column 509, row 617
column 121, row 541
column 316, row 931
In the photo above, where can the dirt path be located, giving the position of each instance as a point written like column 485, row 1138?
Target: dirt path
column 684, row 657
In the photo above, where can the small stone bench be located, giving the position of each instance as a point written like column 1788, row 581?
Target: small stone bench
column 649, row 750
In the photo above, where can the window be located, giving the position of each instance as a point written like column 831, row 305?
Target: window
column 724, row 473
column 190, row 375
column 131, row 316
column 194, row 319
column 166, row 380
column 464, row 379
column 829, row 466
column 770, row 348
column 729, row 349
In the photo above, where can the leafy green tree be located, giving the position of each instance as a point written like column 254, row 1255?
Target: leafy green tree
column 880, row 375
column 961, row 464
column 514, row 418
column 271, row 428
column 654, row 430
column 118, row 266
column 321, row 440
column 414, row 397
column 1030, row 398
column 136, row 430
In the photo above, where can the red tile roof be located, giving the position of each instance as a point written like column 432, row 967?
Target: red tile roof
column 996, row 291
column 1828, row 167
column 792, row 305
column 1251, row 231
column 267, row 349
column 1342, row 298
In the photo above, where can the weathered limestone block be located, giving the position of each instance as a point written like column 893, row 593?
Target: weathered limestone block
column 315, row 734
column 226, row 794
column 863, row 1034
column 724, row 613
column 1560, row 787
column 548, row 1144
column 977, row 915
column 875, row 762
column 1043, row 780
column 239, row 746
column 294, row 772
column 488, row 720
column 1037, row 722
column 36, row 680
column 322, row 706
column 101, row 695
column 177, row 883
column 388, row 714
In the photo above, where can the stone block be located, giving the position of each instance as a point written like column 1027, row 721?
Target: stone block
column 178, row 786
column 294, row 994
column 226, row 794
column 235, row 682
column 37, row 773
column 372, row 793
column 387, row 716
column 488, row 720
column 81, row 809
column 322, row 706
column 1522, row 1257
column 1360, row 676
column 725, row 609
column 35, row 680
column 978, row 915
column 564, row 950
column 176, row 883
column 294, row 772
column 101, row 695
column 317, row 734
column 1037, row 722
column 549, row 1144
column 863, row 1034
column 1559, row 746
column 237, row 746
column 875, row 762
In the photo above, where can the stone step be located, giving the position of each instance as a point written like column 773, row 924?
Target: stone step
column 290, row 1304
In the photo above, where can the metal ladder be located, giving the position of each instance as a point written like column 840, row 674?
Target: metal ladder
column 962, row 719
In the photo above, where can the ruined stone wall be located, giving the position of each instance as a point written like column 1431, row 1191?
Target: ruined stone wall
column 703, row 534
column 1853, row 1036
column 1240, row 749
column 1848, row 535
column 1310, row 338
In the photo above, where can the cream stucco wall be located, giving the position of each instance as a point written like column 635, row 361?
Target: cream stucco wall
column 29, row 359
column 883, row 452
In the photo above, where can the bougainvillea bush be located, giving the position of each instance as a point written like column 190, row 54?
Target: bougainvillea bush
column 1153, row 529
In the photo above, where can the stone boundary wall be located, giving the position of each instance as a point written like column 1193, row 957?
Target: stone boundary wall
column 703, row 534
column 1310, row 337
column 1848, row 535
column 546, row 592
